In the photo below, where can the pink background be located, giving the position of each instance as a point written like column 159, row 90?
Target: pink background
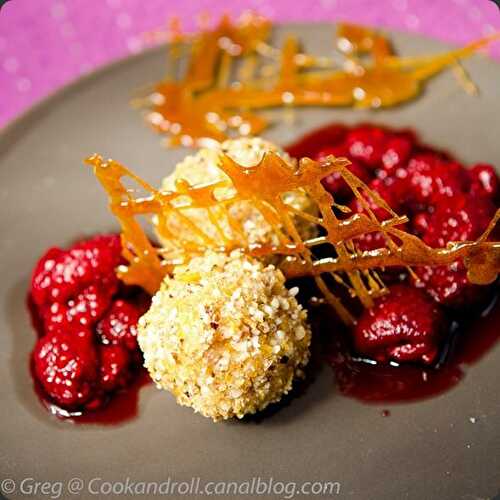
column 47, row 43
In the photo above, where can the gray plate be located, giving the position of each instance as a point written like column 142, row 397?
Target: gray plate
column 428, row 449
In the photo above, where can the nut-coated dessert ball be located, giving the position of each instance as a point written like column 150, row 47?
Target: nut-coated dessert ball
column 225, row 335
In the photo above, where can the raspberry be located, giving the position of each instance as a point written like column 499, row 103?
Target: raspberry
column 58, row 319
column 55, row 318
column 367, row 144
column 103, row 253
column 420, row 223
column 389, row 192
column 433, row 181
column 484, row 181
column 41, row 278
column 114, row 367
column 394, row 189
column 119, row 325
column 55, row 276
column 463, row 218
column 61, row 275
column 78, row 299
column 66, row 367
column 449, row 285
column 85, row 309
column 336, row 185
column 405, row 325
column 90, row 304
column 338, row 150
column 397, row 151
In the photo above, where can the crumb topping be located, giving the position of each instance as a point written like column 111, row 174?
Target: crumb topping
column 225, row 335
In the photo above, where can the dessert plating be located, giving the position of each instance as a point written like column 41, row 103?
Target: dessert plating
column 224, row 334
column 372, row 217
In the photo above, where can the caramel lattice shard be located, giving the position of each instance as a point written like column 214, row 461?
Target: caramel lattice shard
column 232, row 73
column 264, row 186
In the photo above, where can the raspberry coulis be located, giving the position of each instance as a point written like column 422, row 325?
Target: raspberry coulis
column 86, row 363
column 414, row 342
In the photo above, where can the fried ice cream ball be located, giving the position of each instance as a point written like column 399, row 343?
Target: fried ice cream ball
column 202, row 168
column 225, row 335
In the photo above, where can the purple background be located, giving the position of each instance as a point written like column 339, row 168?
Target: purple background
column 47, row 43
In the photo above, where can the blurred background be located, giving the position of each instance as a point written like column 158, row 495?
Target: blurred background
column 45, row 44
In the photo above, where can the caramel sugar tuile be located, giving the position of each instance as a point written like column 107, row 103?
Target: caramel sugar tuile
column 264, row 185
column 232, row 73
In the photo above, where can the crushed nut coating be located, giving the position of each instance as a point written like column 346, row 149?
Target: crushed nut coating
column 225, row 335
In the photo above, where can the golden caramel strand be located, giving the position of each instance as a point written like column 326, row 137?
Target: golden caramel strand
column 263, row 186
column 226, row 83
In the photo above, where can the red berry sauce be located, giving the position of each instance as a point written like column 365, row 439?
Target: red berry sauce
column 413, row 343
column 86, row 363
